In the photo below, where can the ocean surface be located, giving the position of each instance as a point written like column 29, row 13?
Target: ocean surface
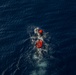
column 19, row 17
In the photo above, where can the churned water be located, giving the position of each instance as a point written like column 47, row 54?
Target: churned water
column 18, row 18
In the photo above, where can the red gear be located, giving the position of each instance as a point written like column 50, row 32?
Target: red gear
column 40, row 31
column 39, row 44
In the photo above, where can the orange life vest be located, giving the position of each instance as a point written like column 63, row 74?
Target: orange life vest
column 39, row 44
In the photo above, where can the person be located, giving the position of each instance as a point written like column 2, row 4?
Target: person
column 39, row 42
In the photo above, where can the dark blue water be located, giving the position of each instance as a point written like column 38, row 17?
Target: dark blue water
column 58, row 17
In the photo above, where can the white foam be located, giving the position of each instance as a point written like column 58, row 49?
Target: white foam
column 42, row 64
column 36, row 30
